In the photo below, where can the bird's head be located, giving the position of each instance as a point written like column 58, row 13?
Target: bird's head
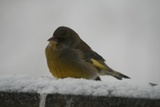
column 65, row 37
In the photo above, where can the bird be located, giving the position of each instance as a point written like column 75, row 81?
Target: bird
column 68, row 55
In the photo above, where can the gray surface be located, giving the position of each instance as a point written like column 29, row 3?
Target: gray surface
column 56, row 100
column 18, row 99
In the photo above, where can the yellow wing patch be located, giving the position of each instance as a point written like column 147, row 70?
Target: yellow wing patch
column 98, row 64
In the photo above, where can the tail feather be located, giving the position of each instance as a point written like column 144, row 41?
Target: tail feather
column 115, row 74
column 119, row 75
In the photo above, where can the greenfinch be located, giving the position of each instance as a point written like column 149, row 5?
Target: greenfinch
column 69, row 56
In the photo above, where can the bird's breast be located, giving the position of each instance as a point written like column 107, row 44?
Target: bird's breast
column 68, row 63
column 52, row 59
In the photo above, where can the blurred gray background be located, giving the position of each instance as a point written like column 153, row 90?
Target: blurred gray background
column 125, row 32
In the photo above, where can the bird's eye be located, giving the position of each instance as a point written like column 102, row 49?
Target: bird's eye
column 61, row 39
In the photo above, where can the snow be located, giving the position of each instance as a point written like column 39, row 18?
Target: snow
column 46, row 85
column 42, row 100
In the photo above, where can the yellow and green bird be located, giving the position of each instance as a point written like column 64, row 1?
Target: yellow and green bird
column 69, row 56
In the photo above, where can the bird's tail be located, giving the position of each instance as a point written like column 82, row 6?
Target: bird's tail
column 116, row 74
column 119, row 75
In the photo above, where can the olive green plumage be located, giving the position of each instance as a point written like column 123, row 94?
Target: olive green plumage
column 69, row 56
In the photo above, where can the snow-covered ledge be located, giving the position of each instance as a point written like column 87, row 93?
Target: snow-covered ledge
column 28, row 91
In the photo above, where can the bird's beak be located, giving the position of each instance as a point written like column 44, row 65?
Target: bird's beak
column 53, row 39
column 53, row 42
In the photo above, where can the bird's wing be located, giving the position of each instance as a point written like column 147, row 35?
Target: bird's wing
column 93, row 57
column 98, row 61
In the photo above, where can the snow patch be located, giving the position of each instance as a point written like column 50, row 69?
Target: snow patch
column 46, row 85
